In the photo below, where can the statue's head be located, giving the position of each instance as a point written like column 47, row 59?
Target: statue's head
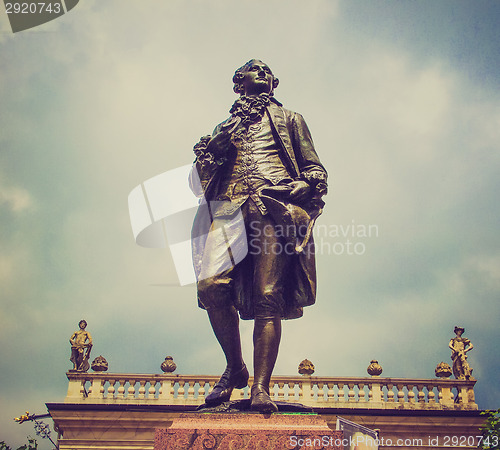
column 459, row 331
column 82, row 324
column 254, row 77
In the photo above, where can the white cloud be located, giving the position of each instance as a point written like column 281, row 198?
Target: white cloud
column 15, row 199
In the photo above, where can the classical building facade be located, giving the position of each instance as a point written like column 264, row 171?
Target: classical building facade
column 122, row 411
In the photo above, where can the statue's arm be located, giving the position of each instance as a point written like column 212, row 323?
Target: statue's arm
column 310, row 167
column 211, row 153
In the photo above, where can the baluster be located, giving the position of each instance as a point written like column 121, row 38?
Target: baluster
column 312, row 393
column 321, row 392
column 152, row 389
column 411, row 394
column 301, row 391
column 142, row 389
column 351, row 394
column 181, row 390
column 121, row 389
column 431, row 395
column 421, row 394
column 390, row 393
column 281, row 391
column 111, row 389
column 361, row 392
column 291, row 390
column 401, row 393
column 201, row 390
column 341, row 392
column 330, row 395
column 131, row 390
column 191, row 384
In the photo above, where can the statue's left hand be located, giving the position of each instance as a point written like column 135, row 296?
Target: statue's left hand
column 300, row 190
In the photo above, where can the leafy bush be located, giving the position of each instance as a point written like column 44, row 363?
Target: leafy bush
column 491, row 430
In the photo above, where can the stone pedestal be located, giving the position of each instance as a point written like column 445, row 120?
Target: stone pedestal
column 219, row 431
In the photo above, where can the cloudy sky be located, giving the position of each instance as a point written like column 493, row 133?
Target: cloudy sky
column 403, row 102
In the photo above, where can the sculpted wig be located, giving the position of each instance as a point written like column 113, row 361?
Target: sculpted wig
column 240, row 74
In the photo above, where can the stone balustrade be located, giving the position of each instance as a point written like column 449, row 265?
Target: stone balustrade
column 317, row 392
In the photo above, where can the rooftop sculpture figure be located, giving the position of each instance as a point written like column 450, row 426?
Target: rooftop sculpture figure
column 81, row 344
column 259, row 165
column 459, row 347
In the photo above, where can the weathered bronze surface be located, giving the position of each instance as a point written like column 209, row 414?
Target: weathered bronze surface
column 459, row 347
column 81, row 344
column 258, row 169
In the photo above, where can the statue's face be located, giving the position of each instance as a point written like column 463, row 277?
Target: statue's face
column 82, row 324
column 258, row 79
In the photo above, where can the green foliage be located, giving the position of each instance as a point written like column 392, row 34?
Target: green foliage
column 491, row 430
column 31, row 445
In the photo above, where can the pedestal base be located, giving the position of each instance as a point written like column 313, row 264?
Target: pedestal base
column 219, row 431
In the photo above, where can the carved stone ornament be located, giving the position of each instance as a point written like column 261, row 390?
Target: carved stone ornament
column 374, row 369
column 168, row 365
column 306, row 367
column 443, row 370
column 99, row 364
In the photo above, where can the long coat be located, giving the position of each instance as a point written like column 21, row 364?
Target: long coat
column 299, row 157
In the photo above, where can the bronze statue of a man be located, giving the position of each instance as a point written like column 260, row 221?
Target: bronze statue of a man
column 261, row 184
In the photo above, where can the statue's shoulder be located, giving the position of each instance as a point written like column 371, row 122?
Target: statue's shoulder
column 218, row 128
column 277, row 108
